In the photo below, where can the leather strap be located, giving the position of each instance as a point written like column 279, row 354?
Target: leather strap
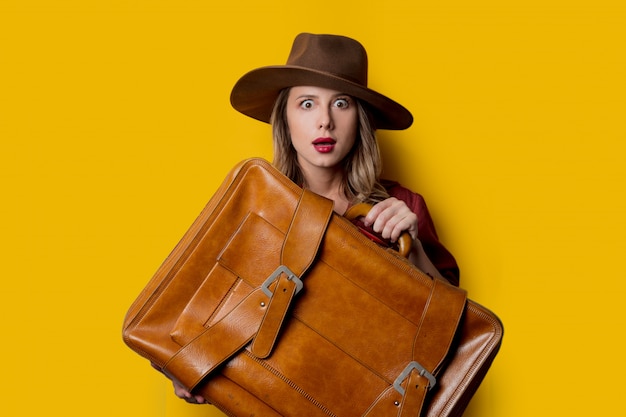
column 250, row 318
column 273, row 319
column 306, row 232
column 414, row 396
column 436, row 330
column 439, row 324
column 299, row 250
column 217, row 343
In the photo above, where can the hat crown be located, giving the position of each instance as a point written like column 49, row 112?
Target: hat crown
column 337, row 55
column 328, row 61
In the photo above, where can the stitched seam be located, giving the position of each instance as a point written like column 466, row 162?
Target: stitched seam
column 291, row 384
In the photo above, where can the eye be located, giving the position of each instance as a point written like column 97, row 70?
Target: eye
column 342, row 103
column 306, row 104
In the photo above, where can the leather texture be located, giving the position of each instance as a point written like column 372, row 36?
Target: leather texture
column 272, row 305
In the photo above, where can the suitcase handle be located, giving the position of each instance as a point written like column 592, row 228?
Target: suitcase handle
column 361, row 210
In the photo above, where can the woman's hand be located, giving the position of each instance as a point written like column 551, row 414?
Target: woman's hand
column 390, row 218
column 182, row 393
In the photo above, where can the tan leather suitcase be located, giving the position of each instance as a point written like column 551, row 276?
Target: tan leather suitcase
column 272, row 305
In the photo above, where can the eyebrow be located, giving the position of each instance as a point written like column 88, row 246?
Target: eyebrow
column 316, row 96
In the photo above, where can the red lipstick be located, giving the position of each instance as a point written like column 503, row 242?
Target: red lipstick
column 324, row 145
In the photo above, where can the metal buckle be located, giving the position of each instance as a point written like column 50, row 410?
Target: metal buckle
column 422, row 371
column 290, row 276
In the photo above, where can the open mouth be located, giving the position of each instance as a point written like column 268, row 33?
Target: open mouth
column 324, row 145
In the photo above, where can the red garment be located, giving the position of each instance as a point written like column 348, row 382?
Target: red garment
column 441, row 258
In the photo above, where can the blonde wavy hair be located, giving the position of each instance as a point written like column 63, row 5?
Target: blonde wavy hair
column 361, row 168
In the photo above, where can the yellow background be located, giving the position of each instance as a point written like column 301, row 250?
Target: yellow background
column 115, row 129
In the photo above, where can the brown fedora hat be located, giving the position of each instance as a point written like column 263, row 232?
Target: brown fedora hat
column 327, row 61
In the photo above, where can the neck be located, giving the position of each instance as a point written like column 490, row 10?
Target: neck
column 328, row 183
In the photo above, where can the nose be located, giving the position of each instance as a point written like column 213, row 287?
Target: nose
column 325, row 119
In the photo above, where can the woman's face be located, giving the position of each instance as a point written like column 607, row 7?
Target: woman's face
column 323, row 125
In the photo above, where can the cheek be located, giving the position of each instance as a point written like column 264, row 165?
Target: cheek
column 351, row 127
column 293, row 127
column 299, row 124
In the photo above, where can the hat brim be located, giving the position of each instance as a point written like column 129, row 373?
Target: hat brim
column 255, row 94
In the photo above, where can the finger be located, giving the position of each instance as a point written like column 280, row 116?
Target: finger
column 195, row 399
column 402, row 226
column 393, row 228
column 391, row 212
column 181, row 392
column 377, row 209
column 381, row 214
column 402, row 220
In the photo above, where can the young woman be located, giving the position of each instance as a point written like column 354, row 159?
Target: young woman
column 324, row 119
